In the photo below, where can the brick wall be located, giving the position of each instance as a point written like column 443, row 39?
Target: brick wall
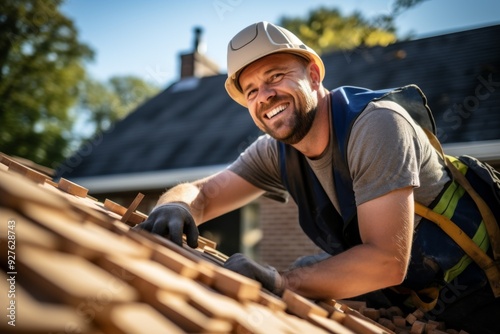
column 283, row 240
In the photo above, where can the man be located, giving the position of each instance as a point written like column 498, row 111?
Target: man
column 355, row 161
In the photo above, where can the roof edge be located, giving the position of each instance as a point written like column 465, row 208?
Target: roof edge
column 146, row 180
column 487, row 150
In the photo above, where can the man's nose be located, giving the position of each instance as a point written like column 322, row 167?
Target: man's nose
column 266, row 93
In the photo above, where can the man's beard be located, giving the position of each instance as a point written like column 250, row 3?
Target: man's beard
column 302, row 123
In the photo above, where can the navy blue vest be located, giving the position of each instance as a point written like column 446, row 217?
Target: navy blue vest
column 328, row 229
column 335, row 232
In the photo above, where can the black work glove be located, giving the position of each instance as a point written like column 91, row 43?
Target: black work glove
column 266, row 275
column 171, row 220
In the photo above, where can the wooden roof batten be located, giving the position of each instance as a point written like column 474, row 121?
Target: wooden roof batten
column 79, row 262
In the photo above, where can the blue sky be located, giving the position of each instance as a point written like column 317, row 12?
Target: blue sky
column 145, row 38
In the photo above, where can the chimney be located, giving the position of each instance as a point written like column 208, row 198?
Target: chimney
column 199, row 46
column 195, row 63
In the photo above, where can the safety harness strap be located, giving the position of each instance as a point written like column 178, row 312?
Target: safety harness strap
column 469, row 247
column 488, row 217
column 490, row 267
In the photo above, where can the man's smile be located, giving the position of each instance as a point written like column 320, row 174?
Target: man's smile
column 275, row 111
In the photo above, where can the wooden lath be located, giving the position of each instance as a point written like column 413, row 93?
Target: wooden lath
column 78, row 262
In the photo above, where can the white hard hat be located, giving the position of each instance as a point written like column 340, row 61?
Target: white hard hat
column 259, row 40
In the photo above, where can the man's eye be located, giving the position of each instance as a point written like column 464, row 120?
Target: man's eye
column 276, row 77
column 251, row 94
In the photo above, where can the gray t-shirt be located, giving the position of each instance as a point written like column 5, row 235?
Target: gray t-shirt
column 386, row 151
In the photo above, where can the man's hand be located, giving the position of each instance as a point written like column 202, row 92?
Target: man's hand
column 266, row 275
column 171, row 220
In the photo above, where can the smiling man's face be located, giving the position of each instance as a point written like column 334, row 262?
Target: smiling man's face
column 280, row 96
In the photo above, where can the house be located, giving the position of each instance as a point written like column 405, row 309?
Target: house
column 193, row 129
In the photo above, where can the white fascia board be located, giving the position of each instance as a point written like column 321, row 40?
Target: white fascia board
column 487, row 150
column 483, row 150
column 145, row 181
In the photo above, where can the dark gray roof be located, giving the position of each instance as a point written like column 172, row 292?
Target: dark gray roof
column 194, row 122
column 451, row 69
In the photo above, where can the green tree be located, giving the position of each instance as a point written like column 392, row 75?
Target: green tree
column 327, row 29
column 41, row 65
column 105, row 103
column 387, row 21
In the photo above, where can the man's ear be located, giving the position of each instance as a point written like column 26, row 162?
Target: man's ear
column 313, row 72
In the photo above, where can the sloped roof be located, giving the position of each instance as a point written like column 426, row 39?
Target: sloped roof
column 82, row 267
column 451, row 69
column 191, row 123
column 194, row 123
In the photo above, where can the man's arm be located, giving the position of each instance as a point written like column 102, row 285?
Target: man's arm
column 386, row 229
column 212, row 196
column 181, row 209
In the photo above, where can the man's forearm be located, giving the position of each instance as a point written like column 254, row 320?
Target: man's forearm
column 187, row 193
column 356, row 271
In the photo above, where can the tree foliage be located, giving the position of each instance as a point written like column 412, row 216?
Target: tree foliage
column 106, row 102
column 327, row 29
column 41, row 65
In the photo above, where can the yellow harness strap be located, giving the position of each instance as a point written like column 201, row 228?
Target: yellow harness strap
column 488, row 217
column 490, row 267
column 469, row 247
column 431, row 293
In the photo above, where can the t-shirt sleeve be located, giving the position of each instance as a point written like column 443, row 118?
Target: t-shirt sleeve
column 383, row 152
column 259, row 165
